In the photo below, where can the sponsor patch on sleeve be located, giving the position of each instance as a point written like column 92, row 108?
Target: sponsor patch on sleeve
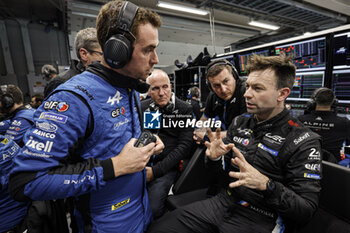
column 54, row 117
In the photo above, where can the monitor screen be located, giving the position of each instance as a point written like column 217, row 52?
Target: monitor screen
column 305, row 84
column 243, row 59
column 296, row 112
column 341, row 53
column 307, row 55
column 229, row 58
column 341, row 85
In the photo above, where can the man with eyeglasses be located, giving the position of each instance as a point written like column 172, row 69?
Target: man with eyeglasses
column 87, row 50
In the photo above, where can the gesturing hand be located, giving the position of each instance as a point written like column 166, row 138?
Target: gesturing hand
column 216, row 147
column 247, row 176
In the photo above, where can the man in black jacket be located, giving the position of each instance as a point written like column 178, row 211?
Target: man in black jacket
column 162, row 169
column 269, row 160
column 87, row 50
column 194, row 99
column 333, row 129
column 225, row 101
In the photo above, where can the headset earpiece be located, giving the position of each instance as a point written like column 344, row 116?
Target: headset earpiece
column 118, row 49
column 6, row 99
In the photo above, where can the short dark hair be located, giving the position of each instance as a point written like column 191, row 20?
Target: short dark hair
column 14, row 91
column 217, row 69
column 86, row 38
column 282, row 65
column 323, row 96
column 107, row 20
column 38, row 97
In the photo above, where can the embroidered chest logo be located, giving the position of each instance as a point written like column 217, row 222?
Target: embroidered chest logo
column 116, row 98
column 274, row 138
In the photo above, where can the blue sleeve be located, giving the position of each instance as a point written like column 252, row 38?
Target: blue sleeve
column 8, row 150
column 4, row 125
column 18, row 127
column 42, row 171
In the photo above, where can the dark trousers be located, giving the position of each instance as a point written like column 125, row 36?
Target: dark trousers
column 214, row 215
column 158, row 190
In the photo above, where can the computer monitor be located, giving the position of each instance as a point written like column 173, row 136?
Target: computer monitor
column 341, row 53
column 229, row 58
column 341, row 85
column 307, row 55
column 243, row 59
column 305, row 84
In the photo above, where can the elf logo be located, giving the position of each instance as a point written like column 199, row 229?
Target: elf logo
column 39, row 146
column 240, row 140
column 59, row 106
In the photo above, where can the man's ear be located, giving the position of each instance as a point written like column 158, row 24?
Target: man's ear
column 283, row 94
column 83, row 54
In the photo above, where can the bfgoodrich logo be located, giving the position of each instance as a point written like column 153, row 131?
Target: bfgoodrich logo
column 156, row 120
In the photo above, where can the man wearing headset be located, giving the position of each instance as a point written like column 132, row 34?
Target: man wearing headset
column 48, row 72
column 333, row 129
column 87, row 50
column 18, row 118
column 194, row 99
column 269, row 162
column 162, row 169
column 82, row 144
column 225, row 100
column 12, row 212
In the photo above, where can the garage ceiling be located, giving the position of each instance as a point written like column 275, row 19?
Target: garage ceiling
column 231, row 18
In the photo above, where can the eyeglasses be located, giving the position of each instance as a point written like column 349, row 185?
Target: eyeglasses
column 94, row 51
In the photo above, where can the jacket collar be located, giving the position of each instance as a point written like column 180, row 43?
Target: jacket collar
column 274, row 121
column 116, row 79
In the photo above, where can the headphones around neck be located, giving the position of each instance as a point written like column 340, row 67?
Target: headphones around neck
column 311, row 104
column 221, row 62
column 118, row 49
column 167, row 109
column 6, row 99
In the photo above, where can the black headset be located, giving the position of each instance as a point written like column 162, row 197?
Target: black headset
column 48, row 71
column 118, row 48
column 217, row 63
column 6, row 99
column 167, row 109
column 311, row 104
column 193, row 92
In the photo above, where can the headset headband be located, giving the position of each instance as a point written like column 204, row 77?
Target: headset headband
column 218, row 62
column 126, row 17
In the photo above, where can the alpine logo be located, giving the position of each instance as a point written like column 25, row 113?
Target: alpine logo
column 244, row 131
column 59, row 106
column 117, row 112
column 115, row 98
column 16, row 123
column 39, row 146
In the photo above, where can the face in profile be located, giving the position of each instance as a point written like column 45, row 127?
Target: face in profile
column 223, row 84
column 144, row 56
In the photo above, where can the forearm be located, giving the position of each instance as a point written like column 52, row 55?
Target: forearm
column 62, row 181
